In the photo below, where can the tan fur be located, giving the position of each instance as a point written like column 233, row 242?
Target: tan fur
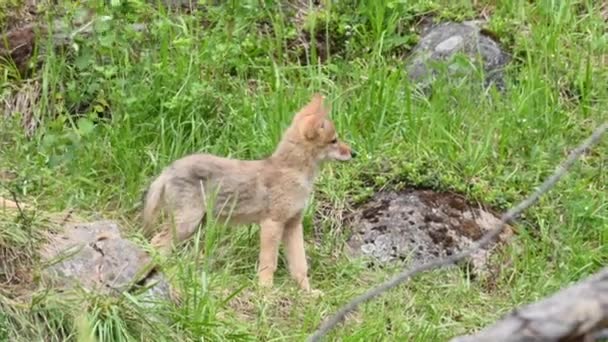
column 271, row 192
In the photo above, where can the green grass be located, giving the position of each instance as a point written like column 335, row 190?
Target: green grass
column 124, row 104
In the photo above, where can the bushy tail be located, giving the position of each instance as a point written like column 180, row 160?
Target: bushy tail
column 152, row 200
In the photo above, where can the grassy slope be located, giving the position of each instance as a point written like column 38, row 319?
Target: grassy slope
column 230, row 89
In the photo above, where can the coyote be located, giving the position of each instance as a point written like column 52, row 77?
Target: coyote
column 271, row 192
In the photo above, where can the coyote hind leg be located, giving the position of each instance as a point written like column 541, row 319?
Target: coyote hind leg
column 185, row 221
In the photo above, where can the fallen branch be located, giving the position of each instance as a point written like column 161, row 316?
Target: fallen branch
column 508, row 217
column 577, row 313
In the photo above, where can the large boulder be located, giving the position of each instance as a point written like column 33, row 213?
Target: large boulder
column 442, row 43
column 96, row 257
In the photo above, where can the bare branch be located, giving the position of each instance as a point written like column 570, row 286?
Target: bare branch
column 506, row 218
column 577, row 313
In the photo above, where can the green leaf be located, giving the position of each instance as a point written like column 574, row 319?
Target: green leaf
column 85, row 126
column 83, row 61
column 49, row 140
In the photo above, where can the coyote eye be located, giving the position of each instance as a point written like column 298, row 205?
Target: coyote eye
column 334, row 141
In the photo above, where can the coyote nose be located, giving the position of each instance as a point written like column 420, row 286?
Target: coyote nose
column 353, row 154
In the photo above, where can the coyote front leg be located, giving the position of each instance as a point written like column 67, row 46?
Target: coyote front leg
column 270, row 238
column 293, row 238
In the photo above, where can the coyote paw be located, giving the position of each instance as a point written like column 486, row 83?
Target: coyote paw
column 265, row 280
column 305, row 286
column 315, row 293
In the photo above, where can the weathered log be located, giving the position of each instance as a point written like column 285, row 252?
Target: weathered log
column 576, row 313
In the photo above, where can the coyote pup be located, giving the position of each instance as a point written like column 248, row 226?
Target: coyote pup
column 271, row 192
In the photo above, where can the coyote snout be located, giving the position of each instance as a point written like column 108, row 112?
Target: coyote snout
column 271, row 192
column 338, row 150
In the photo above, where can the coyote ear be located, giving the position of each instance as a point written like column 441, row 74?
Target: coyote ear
column 315, row 106
column 322, row 108
column 325, row 110
column 311, row 126
column 317, row 99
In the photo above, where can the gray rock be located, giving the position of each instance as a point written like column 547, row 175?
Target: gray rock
column 95, row 256
column 159, row 288
column 419, row 226
column 441, row 43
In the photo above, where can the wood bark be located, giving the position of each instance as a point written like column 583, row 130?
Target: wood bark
column 576, row 313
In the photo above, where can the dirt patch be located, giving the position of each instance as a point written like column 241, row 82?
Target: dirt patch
column 19, row 31
column 418, row 226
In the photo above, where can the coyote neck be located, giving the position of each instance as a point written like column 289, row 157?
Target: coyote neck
column 293, row 155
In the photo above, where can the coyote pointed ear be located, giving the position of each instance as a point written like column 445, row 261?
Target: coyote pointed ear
column 310, row 126
column 317, row 100
column 314, row 107
column 325, row 110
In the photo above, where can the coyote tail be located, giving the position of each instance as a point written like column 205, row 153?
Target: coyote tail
column 153, row 196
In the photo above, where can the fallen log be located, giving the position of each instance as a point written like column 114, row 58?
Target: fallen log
column 576, row 313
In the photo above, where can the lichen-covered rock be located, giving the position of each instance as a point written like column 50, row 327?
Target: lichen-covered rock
column 95, row 256
column 443, row 42
column 419, row 226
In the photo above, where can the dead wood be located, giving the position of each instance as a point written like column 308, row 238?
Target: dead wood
column 576, row 313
